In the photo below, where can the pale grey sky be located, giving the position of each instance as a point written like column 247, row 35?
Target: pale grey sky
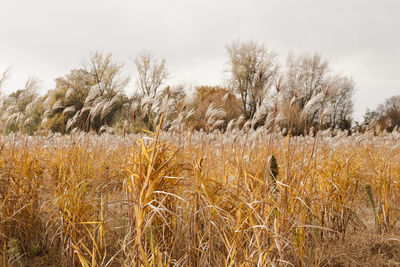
column 48, row 38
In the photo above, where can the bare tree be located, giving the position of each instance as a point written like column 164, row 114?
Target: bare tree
column 371, row 117
column 104, row 70
column 311, row 87
column 388, row 113
column 340, row 104
column 252, row 73
column 152, row 73
column 306, row 77
column 392, row 103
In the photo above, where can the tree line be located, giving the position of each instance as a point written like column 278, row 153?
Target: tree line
column 299, row 96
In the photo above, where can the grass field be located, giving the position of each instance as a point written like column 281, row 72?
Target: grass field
column 242, row 198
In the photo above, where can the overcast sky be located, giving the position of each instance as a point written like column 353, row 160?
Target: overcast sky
column 48, row 38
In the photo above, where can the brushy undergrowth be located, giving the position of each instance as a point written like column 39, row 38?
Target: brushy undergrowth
column 241, row 198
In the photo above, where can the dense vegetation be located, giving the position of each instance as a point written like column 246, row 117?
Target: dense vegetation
column 268, row 169
column 240, row 198
column 304, row 92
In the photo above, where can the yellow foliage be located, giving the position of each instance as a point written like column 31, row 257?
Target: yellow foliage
column 209, row 201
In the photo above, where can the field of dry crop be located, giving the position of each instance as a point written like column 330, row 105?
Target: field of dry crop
column 242, row 198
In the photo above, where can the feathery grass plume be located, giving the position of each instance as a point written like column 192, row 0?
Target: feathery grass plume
column 106, row 129
column 247, row 125
column 86, row 109
column 189, row 114
column 210, row 110
column 97, row 108
column 69, row 110
column 110, row 105
column 73, row 121
column 214, row 117
column 145, row 103
column 230, row 126
column 47, row 103
column 239, row 121
column 94, row 92
column 57, row 106
column 177, row 124
column 310, row 106
column 216, row 124
column 270, row 120
column 293, row 100
column 20, row 106
column 27, row 122
column 225, row 97
column 4, row 77
column 33, row 104
column 155, row 106
column 258, row 115
column 188, row 101
column 69, row 95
